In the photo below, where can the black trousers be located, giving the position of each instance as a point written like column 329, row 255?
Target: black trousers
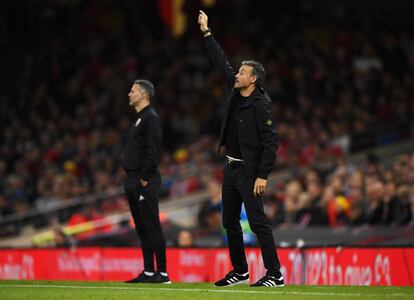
column 238, row 189
column 143, row 203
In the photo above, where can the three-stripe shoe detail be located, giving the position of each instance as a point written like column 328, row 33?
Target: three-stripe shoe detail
column 270, row 281
column 233, row 278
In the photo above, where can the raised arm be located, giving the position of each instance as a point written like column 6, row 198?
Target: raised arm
column 215, row 52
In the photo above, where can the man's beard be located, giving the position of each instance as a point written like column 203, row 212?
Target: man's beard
column 132, row 102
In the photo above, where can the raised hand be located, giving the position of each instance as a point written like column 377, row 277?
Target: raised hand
column 203, row 21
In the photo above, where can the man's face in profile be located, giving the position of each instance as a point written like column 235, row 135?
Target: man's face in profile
column 244, row 77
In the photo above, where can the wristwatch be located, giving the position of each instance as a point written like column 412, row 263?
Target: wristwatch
column 208, row 30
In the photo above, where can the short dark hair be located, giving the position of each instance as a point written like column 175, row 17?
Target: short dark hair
column 257, row 70
column 147, row 86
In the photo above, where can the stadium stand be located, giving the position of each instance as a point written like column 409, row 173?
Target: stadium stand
column 343, row 93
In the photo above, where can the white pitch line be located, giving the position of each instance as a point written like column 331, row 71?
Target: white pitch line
column 203, row 290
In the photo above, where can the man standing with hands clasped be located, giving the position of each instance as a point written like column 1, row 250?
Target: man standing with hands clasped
column 142, row 155
column 250, row 141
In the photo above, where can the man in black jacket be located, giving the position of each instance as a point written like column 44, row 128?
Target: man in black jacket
column 142, row 155
column 250, row 140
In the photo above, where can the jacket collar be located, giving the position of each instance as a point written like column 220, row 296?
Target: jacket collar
column 143, row 110
column 257, row 93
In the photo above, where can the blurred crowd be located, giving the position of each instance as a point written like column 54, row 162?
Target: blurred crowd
column 371, row 194
column 337, row 88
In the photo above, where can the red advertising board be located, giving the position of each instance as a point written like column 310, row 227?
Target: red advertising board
column 317, row 266
column 356, row 266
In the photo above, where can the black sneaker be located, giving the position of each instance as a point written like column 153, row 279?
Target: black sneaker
column 270, row 281
column 141, row 278
column 159, row 278
column 233, row 278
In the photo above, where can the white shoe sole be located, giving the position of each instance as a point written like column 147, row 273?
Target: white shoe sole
column 273, row 286
column 167, row 282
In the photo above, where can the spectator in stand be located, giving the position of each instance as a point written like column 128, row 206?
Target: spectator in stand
column 375, row 201
column 185, row 239
column 5, row 207
column 311, row 211
column 357, row 214
column 411, row 210
column 404, row 213
column 392, row 203
column 62, row 240
column 291, row 201
column 209, row 215
column 274, row 208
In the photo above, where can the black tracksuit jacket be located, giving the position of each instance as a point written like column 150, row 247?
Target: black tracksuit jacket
column 257, row 133
column 143, row 149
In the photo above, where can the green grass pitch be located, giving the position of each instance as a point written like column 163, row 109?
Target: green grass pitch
column 32, row 290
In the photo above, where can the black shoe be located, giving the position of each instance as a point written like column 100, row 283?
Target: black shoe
column 270, row 281
column 233, row 278
column 158, row 278
column 141, row 278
